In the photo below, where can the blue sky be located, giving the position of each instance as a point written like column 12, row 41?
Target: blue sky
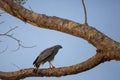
column 104, row 15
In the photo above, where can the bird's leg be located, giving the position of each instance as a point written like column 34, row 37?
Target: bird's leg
column 51, row 66
column 36, row 70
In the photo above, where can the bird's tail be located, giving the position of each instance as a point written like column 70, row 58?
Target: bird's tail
column 35, row 62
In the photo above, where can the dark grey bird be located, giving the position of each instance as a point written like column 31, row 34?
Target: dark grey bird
column 47, row 55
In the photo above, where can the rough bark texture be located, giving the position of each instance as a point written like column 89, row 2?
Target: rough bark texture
column 90, row 63
column 107, row 49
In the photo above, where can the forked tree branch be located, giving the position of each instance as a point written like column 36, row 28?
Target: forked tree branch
column 17, row 40
column 93, row 36
column 107, row 49
column 57, row 72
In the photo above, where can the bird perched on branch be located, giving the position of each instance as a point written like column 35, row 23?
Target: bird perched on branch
column 47, row 55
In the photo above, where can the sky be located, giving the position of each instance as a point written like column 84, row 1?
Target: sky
column 104, row 15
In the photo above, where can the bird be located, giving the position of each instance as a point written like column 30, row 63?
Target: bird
column 47, row 55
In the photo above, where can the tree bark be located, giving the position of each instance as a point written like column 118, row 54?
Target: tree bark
column 107, row 49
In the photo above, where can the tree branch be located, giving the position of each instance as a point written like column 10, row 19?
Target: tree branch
column 92, row 62
column 93, row 36
column 18, row 41
column 99, row 58
column 3, row 50
column 107, row 49
column 1, row 13
column 85, row 12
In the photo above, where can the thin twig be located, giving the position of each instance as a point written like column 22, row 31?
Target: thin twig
column 11, row 30
column 1, row 13
column 85, row 13
column 4, row 50
column 2, row 22
column 17, row 40
column 30, row 8
column 15, row 65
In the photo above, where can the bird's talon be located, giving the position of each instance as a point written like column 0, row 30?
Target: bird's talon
column 53, row 67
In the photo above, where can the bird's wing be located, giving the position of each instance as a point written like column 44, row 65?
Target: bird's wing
column 46, row 53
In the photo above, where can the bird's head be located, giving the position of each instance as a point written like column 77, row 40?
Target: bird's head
column 58, row 46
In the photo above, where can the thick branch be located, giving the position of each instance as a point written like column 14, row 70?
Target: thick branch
column 107, row 48
column 90, row 63
column 63, row 71
column 93, row 36
column 100, row 57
